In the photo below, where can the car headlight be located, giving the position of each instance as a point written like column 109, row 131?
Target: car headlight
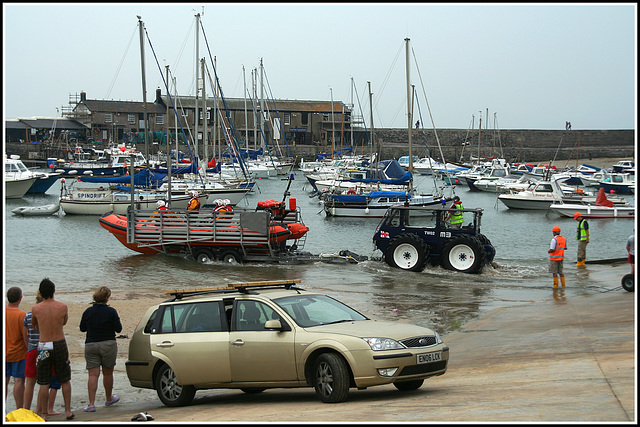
column 438, row 339
column 378, row 344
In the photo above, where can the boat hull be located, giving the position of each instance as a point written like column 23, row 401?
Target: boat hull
column 99, row 202
column 36, row 210
column 593, row 211
column 43, row 183
column 17, row 188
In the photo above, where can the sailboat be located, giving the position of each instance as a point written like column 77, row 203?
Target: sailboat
column 374, row 202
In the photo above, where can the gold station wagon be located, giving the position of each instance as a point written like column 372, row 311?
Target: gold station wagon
column 259, row 335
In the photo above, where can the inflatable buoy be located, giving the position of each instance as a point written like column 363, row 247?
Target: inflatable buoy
column 351, row 192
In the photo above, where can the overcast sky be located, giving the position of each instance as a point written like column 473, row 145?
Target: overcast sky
column 532, row 66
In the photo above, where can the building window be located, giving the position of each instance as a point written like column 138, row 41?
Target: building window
column 325, row 117
column 131, row 119
column 287, row 119
column 108, row 117
column 159, row 119
column 305, row 118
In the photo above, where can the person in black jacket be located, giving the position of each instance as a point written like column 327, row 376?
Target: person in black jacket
column 101, row 323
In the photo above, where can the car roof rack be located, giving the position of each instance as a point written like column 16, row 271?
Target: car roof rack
column 241, row 287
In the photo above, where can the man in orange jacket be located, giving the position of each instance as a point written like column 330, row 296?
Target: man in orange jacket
column 556, row 256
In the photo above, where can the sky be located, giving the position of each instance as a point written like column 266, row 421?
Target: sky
column 515, row 66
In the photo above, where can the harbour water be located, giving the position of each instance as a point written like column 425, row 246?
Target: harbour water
column 79, row 255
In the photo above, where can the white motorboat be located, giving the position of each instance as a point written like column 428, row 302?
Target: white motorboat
column 49, row 209
column 619, row 183
column 16, row 188
column 602, row 208
column 18, row 178
column 542, row 194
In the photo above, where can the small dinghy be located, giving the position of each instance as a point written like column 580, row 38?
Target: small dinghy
column 37, row 210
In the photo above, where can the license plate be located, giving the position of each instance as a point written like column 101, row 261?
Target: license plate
column 429, row 357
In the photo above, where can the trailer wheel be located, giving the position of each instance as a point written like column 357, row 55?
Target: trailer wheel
column 628, row 283
column 463, row 253
column 407, row 251
column 231, row 256
column 203, row 256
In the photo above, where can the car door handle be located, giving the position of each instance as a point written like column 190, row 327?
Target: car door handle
column 165, row 344
column 238, row 342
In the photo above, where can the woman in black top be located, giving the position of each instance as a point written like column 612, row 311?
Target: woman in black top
column 101, row 323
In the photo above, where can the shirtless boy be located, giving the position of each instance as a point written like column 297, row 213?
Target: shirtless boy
column 49, row 317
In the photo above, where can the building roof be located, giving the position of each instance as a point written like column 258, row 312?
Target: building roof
column 133, row 107
column 43, row 123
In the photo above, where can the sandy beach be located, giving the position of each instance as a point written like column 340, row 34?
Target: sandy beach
column 470, row 360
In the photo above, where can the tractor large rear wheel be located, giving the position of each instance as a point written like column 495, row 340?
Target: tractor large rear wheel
column 407, row 252
column 463, row 253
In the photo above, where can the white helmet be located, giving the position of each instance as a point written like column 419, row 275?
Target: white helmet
column 193, row 193
column 219, row 202
column 160, row 203
column 227, row 201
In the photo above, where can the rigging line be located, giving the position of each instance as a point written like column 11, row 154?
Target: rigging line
column 277, row 113
column 182, row 48
column 170, row 98
column 386, row 79
column 243, row 167
column 435, row 184
column 428, row 107
column 113, row 82
column 355, row 88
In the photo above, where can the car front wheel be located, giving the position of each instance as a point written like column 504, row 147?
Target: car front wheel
column 331, row 378
column 169, row 391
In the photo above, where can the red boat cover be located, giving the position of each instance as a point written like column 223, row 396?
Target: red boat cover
column 601, row 199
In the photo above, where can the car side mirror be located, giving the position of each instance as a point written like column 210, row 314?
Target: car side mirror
column 276, row 325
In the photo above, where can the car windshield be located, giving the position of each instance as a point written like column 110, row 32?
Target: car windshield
column 316, row 310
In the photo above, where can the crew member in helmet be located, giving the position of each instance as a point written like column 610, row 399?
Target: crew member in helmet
column 456, row 218
column 194, row 203
column 221, row 209
column 160, row 206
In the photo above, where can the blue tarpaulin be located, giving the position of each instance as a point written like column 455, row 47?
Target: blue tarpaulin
column 144, row 178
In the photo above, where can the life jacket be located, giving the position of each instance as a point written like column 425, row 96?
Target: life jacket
column 582, row 231
column 194, row 204
column 458, row 216
column 561, row 245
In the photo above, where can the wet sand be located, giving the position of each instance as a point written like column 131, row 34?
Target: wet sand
column 570, row 359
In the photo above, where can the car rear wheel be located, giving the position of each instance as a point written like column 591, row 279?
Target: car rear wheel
column 463, row 253
column 407, row 252
column 408, row 385
column 331, row 378
column 169, row 391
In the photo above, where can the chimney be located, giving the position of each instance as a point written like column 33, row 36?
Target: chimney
column 159, row 96
column 83, row 96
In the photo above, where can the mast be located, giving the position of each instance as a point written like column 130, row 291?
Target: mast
column 246, row 121
column 371, row 148
column 196, row 118
column 409, row 104
column 167, row 140
column 351, row 116
column 144, row 96
column 333, row 128
column 204, row 115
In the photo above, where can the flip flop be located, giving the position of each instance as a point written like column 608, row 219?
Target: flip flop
column 139, row 417
column 113, row 400
column 72, row 416
column 90, row 408
column 149, row 416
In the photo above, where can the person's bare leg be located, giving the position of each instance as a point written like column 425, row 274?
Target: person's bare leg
column 107, row 381
column 18, row 391
column 66, row 395
column 92, row 384
column 30, row 385
column 52, row 400
column 43, row 401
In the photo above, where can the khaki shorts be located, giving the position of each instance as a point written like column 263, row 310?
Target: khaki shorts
column 556, row 267
column 101, row 353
